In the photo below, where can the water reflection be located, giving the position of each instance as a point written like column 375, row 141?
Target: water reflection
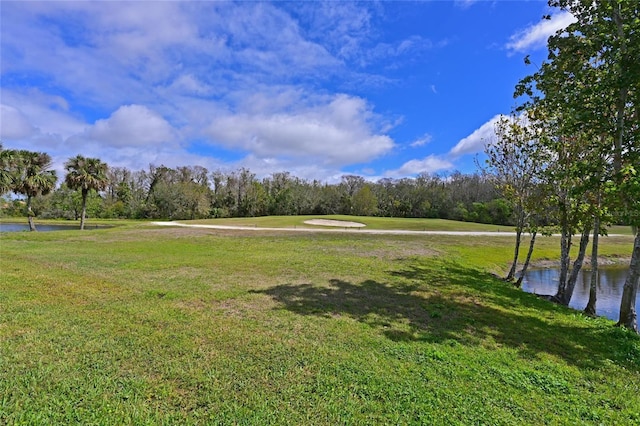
column 610, row 283
column 19, row 227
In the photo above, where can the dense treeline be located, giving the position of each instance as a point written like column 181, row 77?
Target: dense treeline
column 192, row 192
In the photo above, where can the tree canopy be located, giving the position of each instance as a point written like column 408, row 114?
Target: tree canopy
column 586, row 98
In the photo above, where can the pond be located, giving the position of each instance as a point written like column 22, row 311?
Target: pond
column 611, row 281
column 20, row 227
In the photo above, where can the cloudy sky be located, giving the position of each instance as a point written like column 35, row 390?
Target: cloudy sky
column 319, row 89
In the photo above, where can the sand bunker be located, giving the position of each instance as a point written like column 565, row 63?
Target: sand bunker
column 339, row 223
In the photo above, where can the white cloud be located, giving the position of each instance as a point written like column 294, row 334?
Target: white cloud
column 430, row 164
column 465, row 4
column 267, row 39
column 98, row 51
column 133, row 136
column 68, row 49
column 477, row 140
column 338, row 133
column 135, row 85
column 188, row 84
column 535, row 36
column 264, row 167
column 140, row 157
column 14, row 124
column 411, row 47
column 39, row 112
column 343, row 26
column 422, row 140
column 347, row 31
column 132, row 126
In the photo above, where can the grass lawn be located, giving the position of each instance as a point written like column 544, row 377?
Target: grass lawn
column 374, row 223
column 148, row 325
column 370, row 222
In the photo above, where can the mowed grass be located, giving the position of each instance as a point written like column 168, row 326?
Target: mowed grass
column 374, row 223
column 192, row 326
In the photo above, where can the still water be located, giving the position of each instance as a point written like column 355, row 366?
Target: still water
column 19, row 227
column 610, row 283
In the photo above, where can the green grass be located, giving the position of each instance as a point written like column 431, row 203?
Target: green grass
column 193, row 326
column 370, row 222
column 618, row 229
column 376, row 223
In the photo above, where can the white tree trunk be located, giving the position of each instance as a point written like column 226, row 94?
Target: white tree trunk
column 630, row 289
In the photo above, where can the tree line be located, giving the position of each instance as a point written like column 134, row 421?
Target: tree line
column 192, row 192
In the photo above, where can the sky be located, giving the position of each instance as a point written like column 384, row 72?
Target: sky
column 318, row 89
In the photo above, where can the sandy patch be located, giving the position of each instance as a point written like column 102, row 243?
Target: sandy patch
column 331, row 222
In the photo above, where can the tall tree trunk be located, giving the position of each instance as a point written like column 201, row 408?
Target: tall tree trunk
column 527, row 260
column 590, row 309
column 630, row 289
column 32, row 226
column 84, row 208
column 623, row 92
column 516, row 253
column 617, row 152
column 565, row 297
column 520, row 224
column 565, row 247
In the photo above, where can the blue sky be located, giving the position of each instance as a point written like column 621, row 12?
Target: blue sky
column 319, row 89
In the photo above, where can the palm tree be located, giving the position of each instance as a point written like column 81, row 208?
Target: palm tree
column 8, row 164
column 86, row 174
column 32, row 178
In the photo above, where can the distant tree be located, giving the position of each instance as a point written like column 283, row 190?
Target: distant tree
column 279, row 188
column 255, row 202
column 86, row 174
column 32, row 178
column 63, row 203
column 246, row 193
column 500, row 211
column 118, row 194
column 513, row 165
column 305, row 196
column 330, row 200
column 194, row 192
column 180, row 193
column 11, row 207
column 364, row 202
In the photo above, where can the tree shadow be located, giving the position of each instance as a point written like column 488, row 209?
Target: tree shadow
column 475, row 308
column 370, row 302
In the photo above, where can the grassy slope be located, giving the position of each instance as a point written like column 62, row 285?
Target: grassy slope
column 197, row 326
column 374, row 223
column 370, row 222
column 410, row 224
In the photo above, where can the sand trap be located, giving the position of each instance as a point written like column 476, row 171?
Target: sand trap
column 331, row 222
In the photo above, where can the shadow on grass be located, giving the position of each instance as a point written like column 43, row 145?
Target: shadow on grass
column 445, row 301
